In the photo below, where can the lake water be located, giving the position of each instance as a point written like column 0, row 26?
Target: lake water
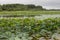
column 41, row 17
column 47, row 16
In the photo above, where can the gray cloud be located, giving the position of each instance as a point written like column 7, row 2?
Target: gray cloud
column 49, row 4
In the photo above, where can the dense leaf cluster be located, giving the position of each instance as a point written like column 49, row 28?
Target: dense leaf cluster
column 19, row 7
column 34, row 28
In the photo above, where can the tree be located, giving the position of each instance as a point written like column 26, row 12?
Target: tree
column 19, row 7
column 0, row 8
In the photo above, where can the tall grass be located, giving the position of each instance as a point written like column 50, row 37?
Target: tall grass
column 24, row 13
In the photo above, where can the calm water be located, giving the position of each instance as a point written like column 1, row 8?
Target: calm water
column 47, row 16
column 38, row 17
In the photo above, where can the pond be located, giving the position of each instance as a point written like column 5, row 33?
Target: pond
column 47, row 16
column 40, row 17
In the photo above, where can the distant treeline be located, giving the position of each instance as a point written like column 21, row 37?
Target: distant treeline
column 19, row 7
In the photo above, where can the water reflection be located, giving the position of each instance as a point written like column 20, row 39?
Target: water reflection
column 39, row 17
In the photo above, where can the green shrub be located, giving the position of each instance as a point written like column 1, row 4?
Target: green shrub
column 30, row 26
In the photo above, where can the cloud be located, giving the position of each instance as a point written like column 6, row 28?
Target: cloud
column 52, row 4
column 49, row 4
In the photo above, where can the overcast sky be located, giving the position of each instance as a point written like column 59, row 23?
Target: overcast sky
column 49, row 4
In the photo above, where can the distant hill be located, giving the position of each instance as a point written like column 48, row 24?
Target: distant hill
column 19, row 7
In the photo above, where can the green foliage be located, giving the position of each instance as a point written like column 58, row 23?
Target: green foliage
column 34, row 28
column 26, row 13
column 0, row 8
column 19, row 7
